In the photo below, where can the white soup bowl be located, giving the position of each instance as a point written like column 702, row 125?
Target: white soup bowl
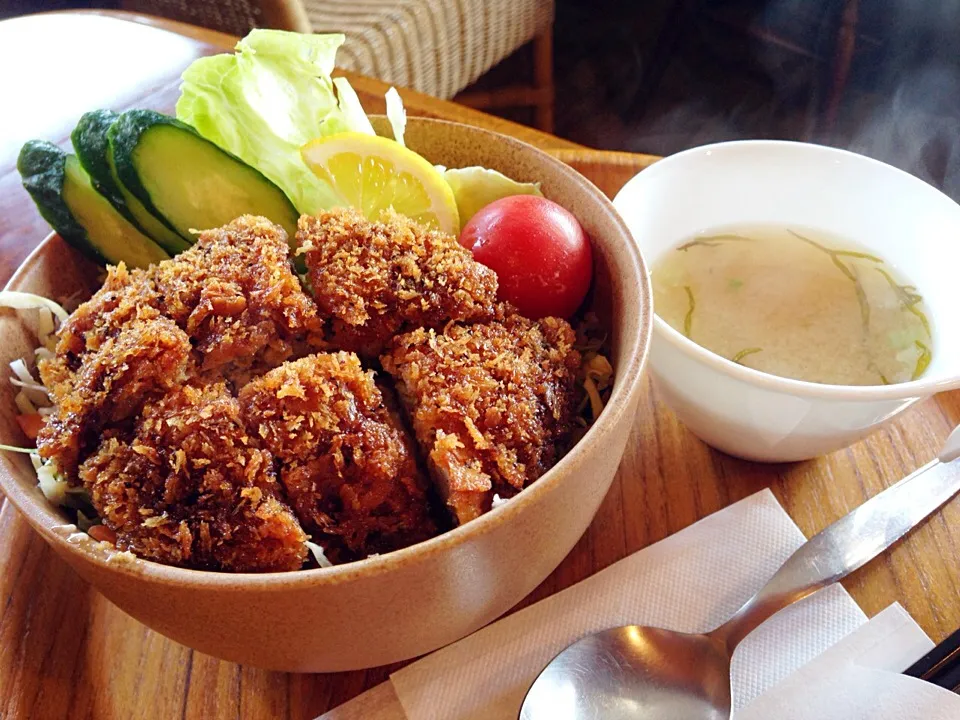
column 909, row 223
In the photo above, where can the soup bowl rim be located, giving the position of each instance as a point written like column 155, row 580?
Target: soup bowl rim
column 919, row 388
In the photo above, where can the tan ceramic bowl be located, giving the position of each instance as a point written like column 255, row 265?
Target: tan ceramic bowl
column 408, row 602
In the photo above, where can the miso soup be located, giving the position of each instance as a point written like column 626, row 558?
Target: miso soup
column 796, row 303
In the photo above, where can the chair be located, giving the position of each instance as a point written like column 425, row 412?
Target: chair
column 438, row 47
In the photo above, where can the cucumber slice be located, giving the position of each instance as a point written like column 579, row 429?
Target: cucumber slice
column 89, row 140
column 67, row 199
column 93, row 150
column 189, row 181
column 155, row 227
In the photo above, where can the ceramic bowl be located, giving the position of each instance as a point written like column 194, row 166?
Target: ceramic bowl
column 912, row 225
column 405, row 603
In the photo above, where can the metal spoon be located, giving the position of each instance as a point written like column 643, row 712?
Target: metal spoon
column 644, row 673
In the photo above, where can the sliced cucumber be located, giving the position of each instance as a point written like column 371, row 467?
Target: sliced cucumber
column 189, row 181
column 89, row 140
column 67, row 199
column 155, row 227
column 93, row 150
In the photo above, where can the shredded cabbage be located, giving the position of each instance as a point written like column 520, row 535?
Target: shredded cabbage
column 46, row 328
column 35, row 387
column 14, row 448
column 34, row 397
column 22, row 372
column 24, row 404
column 29, row 301
column 53, row 487
column 597, row 376
column 318, row 555
column 599, row 369
column 34, row 393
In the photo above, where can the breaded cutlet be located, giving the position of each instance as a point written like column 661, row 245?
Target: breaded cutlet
column 189, row 488
column 489, row 403
column 124, row 295
column 347, row 465
column 147, row 356
column 234, row 293
column 237, row 297
column 373, row 280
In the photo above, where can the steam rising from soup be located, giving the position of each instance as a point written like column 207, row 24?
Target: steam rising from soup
column 796, row 303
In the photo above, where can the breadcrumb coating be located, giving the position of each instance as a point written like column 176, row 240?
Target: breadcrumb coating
column 125, row 295
column 377, row 279
column 236, row 295
column 146, row 357
column 490, row 403
column 190, row 489
column 233, row 293
column 348, row 466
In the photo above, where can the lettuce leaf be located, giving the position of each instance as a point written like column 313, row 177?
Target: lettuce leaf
column 275, row 94
column 353, row 118
column 477, row 187
column 397, row 115
column 269, row 98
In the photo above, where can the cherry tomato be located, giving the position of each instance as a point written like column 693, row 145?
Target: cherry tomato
column 541, row 255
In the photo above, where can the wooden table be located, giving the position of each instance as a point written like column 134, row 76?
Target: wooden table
column 65, row 652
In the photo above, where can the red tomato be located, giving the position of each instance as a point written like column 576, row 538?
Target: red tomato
column 540, row 253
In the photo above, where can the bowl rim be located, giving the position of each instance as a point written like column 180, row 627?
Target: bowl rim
column 625, row 389
column 824, row 391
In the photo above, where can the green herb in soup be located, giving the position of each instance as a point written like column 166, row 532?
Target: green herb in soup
column 795, row 303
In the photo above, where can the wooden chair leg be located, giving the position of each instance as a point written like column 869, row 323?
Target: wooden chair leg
column 539, row 95
column 543, row 79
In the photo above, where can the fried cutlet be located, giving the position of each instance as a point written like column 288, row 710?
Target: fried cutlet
column 489, row 403
column 236, row 295
column 376, row 279
column 347, row 465
column 146, row 357
column 124, row 295
column 189, row 488
column 233, row 293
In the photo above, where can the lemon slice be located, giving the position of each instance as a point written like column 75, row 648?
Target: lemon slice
column 372, row 174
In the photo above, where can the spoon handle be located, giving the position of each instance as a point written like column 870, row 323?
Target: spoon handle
column 851, row 542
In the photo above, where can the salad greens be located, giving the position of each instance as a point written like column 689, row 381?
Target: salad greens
column 396, row 115
column 273, row 95
column 477, row 187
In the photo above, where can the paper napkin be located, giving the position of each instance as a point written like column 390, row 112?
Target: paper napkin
column 859, row 679
column 691, row 581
